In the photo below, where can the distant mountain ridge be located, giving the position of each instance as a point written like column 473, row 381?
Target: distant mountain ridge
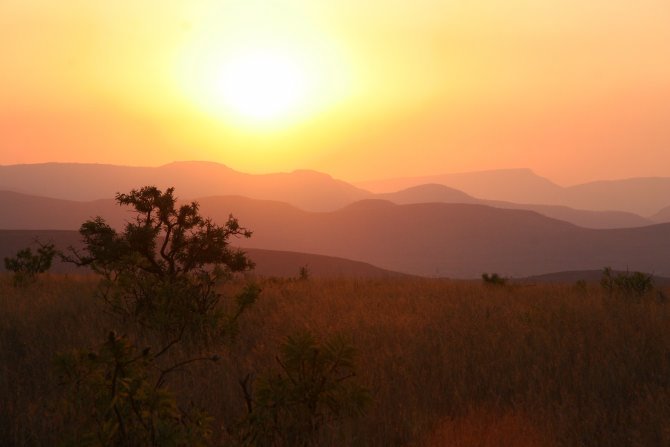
column 584, row 218
column 662, row 216
column 83, row 182
column 314, row 191
column 644, row 196
column 430, row 239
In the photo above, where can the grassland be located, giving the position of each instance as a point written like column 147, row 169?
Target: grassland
column 447, row 363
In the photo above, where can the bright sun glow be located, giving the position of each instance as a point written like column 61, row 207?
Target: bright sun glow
column 266, row 72
column 263, row 85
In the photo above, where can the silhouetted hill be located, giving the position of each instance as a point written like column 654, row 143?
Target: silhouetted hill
column 314, row 191
column 71, row 181
column 268, row 262
column 432, row 239
column 590, row 276
column 427, row 193
column 514, row 185
column 28, row 212
column 642, row 196
column 287, row 264
column 662, row 216
column 455, row 240
column 433, row 193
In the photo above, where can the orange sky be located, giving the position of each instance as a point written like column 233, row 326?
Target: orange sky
column 575, row 90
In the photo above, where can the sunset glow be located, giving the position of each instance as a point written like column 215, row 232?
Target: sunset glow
column 262, row 85
column 413, row 88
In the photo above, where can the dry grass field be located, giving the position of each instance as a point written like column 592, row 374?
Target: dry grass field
column 447, row 363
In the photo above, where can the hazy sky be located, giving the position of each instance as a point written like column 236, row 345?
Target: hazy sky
column 574, row 89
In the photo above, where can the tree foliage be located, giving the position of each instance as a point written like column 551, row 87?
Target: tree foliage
column 162, row 269
column 163, row 272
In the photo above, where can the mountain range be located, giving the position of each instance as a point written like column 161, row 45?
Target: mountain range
column 430, row 229
column 72, row 181
column 644, row 196
column 428, row 239
column 614, row 204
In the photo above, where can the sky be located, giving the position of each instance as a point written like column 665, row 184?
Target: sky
column 575, row 90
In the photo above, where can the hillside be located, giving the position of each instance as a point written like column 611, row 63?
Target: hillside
column 619, row 204
column 643, row 196
column 662, row 216
column 452, row 240
column 431, row 239
column 83, row 182
column 268, row 262
column 584, row 218
column 589, row 276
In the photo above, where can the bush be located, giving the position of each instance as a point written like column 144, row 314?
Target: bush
column 313, row 389
column 116, row 397
column 304, row 273
column 626, row 284
column 26, row 265
column 493, row 280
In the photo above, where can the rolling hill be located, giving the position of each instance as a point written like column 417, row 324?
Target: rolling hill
column 662, row 216
column 268, row 262
column 309, row 190
column 430, row 239
column 643, row 196
column 589, row 276
column 583, row 218
column 313, row 191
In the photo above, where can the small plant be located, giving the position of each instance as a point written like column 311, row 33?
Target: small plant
column 313, row 389
column 626, row 284
column 117, row 396
column 304, row 273
column 493, row 279
column 581, row 286
column 26, row 265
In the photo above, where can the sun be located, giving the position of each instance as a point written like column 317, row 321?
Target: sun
column 258, row 84
column 263, row 85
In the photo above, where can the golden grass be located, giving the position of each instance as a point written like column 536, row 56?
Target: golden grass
column 488, row 428
column 448, row 363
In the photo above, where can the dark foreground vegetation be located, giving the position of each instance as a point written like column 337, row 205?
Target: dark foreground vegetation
column 445, row 363
column 169, row 342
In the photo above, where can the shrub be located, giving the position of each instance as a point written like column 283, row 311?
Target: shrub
column 626, row 284
column 116, row 397
column 314, row 388
column 493, row 279
column 304, row 273
column 26, row 265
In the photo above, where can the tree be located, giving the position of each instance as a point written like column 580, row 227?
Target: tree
column 161, row 271
column 26, row 265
